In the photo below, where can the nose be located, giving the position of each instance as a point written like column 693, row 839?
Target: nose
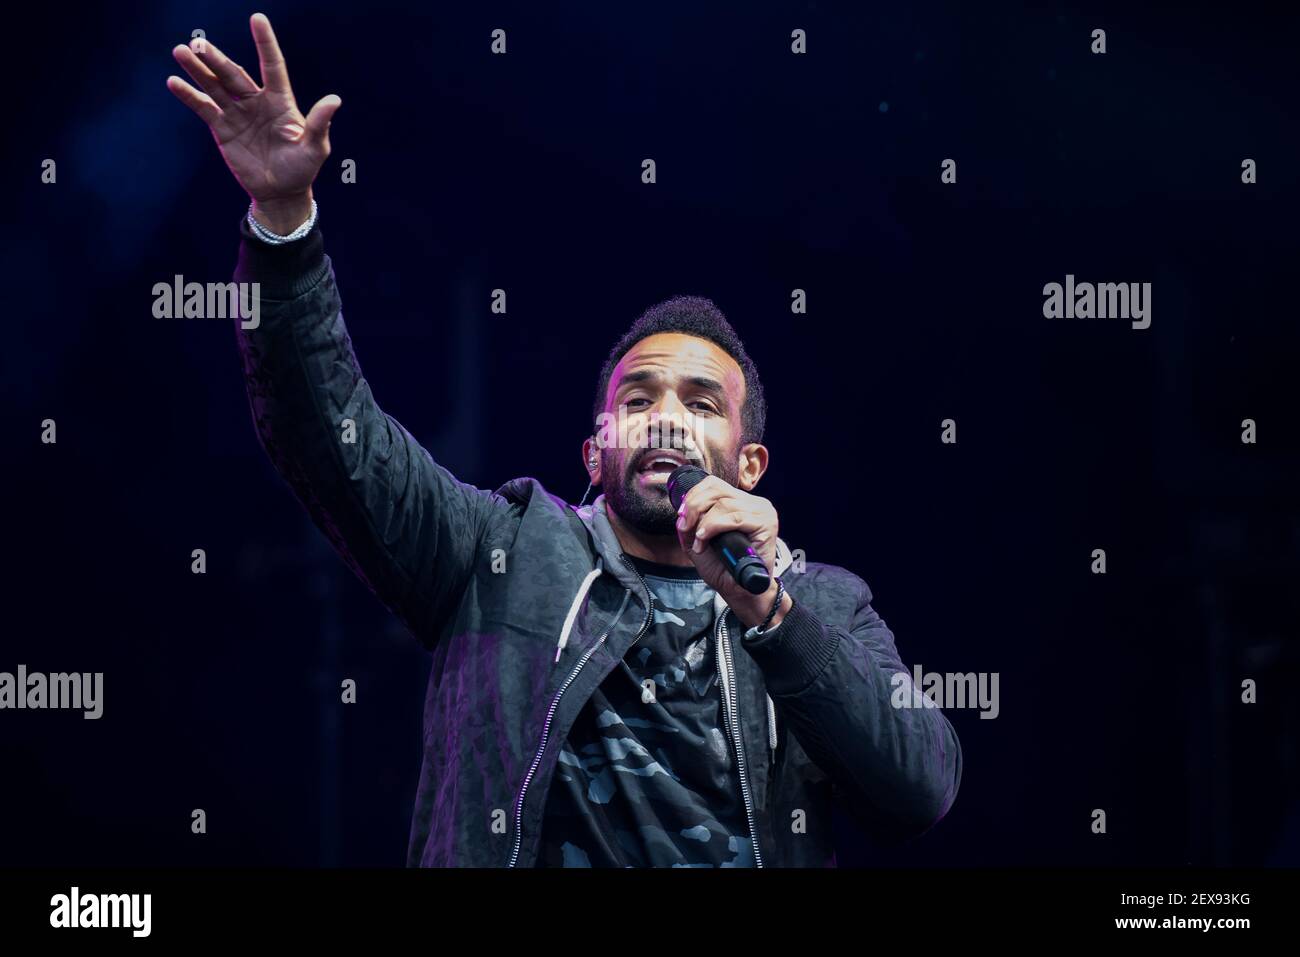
column 670, row 406
column 669, row 424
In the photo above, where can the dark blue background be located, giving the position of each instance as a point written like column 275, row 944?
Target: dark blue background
column 775, row 171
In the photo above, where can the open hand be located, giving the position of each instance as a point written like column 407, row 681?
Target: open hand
column 271, row 148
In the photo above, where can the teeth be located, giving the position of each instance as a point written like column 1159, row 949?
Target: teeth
column 671, row 463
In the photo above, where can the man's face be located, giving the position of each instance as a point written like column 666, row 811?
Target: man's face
column 694, row 391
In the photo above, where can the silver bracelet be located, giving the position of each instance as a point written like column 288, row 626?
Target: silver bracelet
column 275, row 239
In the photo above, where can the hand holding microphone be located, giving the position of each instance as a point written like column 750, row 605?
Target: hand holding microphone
column 739, row 530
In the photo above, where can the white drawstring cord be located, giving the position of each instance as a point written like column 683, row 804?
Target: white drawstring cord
column 573, row 609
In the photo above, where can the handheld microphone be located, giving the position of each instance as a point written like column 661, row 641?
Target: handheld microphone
column 732, row 547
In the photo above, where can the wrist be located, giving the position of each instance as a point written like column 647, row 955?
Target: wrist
column 285, row 214
column 754, row 610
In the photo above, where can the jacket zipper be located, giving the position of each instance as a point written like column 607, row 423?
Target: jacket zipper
column 555, row 703
column 725, row 664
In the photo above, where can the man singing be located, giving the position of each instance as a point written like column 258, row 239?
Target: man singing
column 603, row 692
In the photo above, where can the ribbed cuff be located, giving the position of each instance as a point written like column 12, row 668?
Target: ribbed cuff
column 795, row 652
column 285, row 271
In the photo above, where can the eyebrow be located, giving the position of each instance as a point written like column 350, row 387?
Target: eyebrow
column 700, row 381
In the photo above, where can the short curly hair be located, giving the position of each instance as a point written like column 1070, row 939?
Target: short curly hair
column 699, row 317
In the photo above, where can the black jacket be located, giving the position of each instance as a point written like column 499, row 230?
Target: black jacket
column 527, row 604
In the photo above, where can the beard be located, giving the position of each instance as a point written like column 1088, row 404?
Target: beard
column 649, row 510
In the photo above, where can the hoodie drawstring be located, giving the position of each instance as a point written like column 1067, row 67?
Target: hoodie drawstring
column 577, row 603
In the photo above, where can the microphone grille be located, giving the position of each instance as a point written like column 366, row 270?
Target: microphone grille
column 681, row 480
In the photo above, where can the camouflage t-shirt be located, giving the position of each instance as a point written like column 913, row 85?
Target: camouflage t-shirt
column 647, row 776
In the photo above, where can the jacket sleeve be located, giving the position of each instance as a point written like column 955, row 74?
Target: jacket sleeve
column 402, row 522
column 897, row 768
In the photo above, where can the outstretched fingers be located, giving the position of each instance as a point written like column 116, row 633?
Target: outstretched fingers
column 200, row 74
column 275, row 76
column 200, row 103
column 234, row 80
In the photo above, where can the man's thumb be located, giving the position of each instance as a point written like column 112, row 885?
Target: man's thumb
column 318, row 120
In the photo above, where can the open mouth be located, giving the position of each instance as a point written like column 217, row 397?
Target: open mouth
column 658, row 464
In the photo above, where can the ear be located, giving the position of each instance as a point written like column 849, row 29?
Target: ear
column 752, row 463
column 591, row 460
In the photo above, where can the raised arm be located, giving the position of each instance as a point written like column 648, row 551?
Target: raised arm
column 408, row 528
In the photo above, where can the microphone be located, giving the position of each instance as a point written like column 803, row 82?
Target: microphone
column 732, row 547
